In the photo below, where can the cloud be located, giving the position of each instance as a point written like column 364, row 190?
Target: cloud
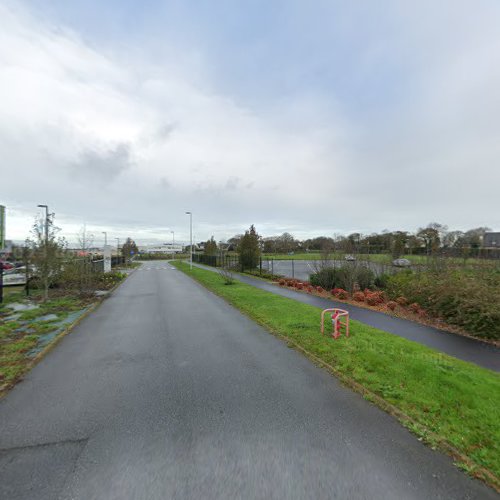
column 405, row 130
column 101, row 167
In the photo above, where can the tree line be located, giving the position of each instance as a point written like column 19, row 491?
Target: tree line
column 432, row 239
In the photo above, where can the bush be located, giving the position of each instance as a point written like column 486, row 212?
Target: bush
column 381, row 280
column 402, row 301
column 414, row 307
column 342, row 294
column 469, row 298
column 345, row 277
column 392, row 305
column 359, row 296
column 282, row 282
column 326, row 278
column 372, row 300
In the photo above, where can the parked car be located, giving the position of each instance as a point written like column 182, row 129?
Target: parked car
column 6, row 265
column 14, row 277
column 350, row 258
column 401, row 263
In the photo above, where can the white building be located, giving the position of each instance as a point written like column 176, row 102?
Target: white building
column 163, row 248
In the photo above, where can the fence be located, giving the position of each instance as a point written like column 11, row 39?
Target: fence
column 217, row 260
column 302, row 269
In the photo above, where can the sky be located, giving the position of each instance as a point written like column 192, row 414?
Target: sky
column 312, row 117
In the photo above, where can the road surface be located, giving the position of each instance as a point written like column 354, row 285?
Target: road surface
column 165, row 391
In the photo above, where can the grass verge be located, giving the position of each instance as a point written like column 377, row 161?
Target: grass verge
column 448, row 403
column 26, row 336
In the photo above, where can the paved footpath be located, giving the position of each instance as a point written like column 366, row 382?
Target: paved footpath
column 167, row 392
column 467, row 349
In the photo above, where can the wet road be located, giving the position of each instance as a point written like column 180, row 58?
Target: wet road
column 166, row 391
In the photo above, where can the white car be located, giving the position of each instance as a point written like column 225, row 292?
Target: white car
column 350, row 258
column 401, row 263
column 17, row 278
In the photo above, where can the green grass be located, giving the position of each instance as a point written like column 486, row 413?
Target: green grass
column 457, row 401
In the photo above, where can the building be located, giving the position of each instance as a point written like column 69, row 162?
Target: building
column 491, row 240
column 163, row 248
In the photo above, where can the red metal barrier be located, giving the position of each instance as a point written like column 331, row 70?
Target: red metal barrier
column 337, row 323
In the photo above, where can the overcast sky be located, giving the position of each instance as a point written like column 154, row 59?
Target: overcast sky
column 313, row 117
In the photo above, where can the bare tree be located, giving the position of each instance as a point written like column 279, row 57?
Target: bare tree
column 46, row 251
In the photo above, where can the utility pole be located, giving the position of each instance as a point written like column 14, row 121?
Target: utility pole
column 46, row 264
column 191, row 240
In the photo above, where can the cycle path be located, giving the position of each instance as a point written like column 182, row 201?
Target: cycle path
column 464, row 348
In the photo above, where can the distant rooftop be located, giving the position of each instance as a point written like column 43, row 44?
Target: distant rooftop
column 491, row 240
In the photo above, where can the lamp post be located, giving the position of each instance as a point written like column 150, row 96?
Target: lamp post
column 46, row 231
column 191, row 239
column 173, row 242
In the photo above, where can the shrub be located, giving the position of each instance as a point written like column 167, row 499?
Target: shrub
column 365, row 277
column 372, row 300
column 300, row 286
column 466, row 297
column 319, row 289
column 309, row 289
column 392, row 305
column 282, row 282
column 342, row 294
column 326, row 278
column 402, row 301
column 379, row 296
column 345, row 277
column 359, row 296
column 414, row 307
column 381, row 280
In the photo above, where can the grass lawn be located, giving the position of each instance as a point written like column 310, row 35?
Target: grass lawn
column 449, row 402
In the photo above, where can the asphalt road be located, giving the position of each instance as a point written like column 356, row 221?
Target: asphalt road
column 166, row 391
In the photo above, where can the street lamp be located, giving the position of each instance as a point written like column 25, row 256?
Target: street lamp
column 173, row 242
column 46, row 287
column 191, row 240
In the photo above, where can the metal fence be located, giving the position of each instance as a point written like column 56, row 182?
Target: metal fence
column 302, row 269
column 231, row 261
